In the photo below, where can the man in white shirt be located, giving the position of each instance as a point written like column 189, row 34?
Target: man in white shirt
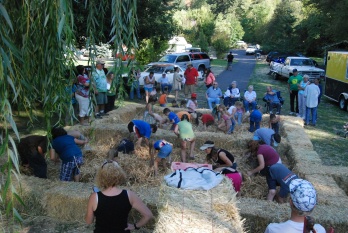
column 303, row 199
column 231, row 95
column 311, row 95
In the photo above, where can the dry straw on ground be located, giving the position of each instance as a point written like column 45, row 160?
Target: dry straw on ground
column 198, row 211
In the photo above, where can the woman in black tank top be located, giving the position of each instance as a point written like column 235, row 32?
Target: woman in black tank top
column 220, row 158
column 111, row 206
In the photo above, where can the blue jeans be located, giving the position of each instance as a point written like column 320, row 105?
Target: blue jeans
column 312, row 111
column 135, row 86
column 239, row 117
column 232, row 126
column 211, row 101
column 254, row 125
column 164, row 85
column 247, row 105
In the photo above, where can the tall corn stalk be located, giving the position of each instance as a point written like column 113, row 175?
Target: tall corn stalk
column 36, row 62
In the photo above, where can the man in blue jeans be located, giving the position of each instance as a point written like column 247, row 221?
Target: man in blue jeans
column 213, row 95
column 311, row 95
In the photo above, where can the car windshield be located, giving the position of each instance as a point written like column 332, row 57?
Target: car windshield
column 159, row 69
column 301, row 62
column 168, row 58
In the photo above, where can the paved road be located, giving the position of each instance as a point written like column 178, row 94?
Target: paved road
column 241, row 71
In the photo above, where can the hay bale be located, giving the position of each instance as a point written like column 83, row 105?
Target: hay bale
column 67, row 200
column 198, row 211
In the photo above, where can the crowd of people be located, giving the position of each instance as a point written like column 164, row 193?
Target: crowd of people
column 110, row 206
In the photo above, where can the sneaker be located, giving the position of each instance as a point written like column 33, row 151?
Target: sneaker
column 277, row 113
column 270, row 112
column 104, row 114
column 247, row 112
column 291, row 113
column 98, row 116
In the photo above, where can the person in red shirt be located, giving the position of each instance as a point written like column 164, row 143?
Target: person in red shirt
column 207, row 119
column 191, row 75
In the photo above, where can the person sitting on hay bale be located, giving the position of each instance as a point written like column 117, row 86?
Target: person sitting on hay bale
column 172, row 117
column 280, row 175
column 32, row 150
column 266, row 157
column 303, row 199
column 164, row 149
column 70, row 154
column 184, row 130
column 207, row 119
column 111, row 206
column 267, row 136
column 125, row 146
column 192, row 103
column 223, row 161
column 142, row 130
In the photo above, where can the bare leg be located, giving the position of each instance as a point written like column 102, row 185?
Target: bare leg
column 192, row 148
column 157, row 160
column 183, row 151
column 147, row 96
column 77, row 178
column 271, row 194
column 176, row 95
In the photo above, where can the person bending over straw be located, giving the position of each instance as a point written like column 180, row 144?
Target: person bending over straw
column 111, row 206
column 164, row 149
column 142, row 130
column 71, row 155
column 184, row 130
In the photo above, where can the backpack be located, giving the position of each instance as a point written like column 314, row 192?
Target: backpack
column 126, row 146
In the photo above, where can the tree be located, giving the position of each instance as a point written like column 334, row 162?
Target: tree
column 36, row 38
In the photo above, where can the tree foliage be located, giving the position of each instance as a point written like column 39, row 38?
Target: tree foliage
column 36, row 63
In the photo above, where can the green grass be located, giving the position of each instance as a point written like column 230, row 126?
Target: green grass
column 331, row 148
column 219, row 62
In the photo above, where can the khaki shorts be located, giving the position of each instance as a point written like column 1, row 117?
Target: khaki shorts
column 190, row 88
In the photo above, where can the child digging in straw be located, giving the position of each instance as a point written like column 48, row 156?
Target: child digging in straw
column 164, row 149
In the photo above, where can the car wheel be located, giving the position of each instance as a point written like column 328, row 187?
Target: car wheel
column 342, row 103
column 275, row 76
column 201, row 69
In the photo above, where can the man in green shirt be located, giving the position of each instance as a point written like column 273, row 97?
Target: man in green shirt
column 293, row 83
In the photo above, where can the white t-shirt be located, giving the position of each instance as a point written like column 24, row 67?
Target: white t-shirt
column 249, row 96
column 230, row 110
column 291, row 227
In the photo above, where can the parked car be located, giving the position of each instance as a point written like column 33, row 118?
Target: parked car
column 159, row 69
column 199, row 60
column 250, row 50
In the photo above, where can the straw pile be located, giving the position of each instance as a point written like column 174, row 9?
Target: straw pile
column 198, row 211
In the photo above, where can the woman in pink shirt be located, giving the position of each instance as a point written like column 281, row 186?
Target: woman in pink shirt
column 209, row 78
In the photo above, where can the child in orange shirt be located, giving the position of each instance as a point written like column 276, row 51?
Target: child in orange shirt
column 163, row 99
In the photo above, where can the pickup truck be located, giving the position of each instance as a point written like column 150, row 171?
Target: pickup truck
column 199, row 60
column 304, row 65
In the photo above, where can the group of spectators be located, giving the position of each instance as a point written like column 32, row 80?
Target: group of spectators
column 305, row 97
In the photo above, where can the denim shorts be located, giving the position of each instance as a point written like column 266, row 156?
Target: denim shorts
column 165, row 151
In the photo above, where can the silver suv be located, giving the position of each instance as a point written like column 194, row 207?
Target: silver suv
column 199, row 60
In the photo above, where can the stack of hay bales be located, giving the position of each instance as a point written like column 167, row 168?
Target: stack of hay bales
column 198, row 211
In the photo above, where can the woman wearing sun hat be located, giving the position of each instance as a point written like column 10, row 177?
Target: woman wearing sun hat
column 223, row 161
column 303, row 200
